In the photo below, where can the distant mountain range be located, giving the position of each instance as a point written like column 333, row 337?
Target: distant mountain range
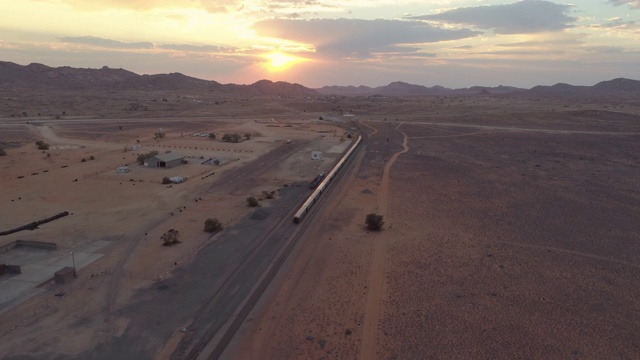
column 42, row 77
column 399, row 88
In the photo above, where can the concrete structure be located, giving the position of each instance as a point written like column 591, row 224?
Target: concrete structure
column 64, row 275
column 316, row 155
column 38, row 265
column 122, row 169
column 167, row 160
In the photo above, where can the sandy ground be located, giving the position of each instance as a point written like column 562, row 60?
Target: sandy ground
column 125, row 214
column 510, row 227
column 503, row 239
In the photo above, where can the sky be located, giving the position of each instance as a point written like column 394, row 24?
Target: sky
column 452, row 43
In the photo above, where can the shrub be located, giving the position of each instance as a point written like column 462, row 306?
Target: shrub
column 166, row 180
column 2, row 151
column 42, row 145
column 212, row 225
column 159, row 135
column 374, row 222
column 143, row 157
column 92, row 157
column 212, row 136
column 83, row 160
column 247, row 136
column 231, row 137
column 252, row 201
column 170, row 238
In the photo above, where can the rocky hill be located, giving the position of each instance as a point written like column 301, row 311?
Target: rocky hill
column 399, row 88
column 42, row 77
column 621, row 88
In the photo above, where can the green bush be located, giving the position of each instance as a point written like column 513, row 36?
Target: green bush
column 42, row 145
column 212, row 225
column 143, row 157
column 374, row 222
column 170, row 238
column 252, row 201
column 231, row 138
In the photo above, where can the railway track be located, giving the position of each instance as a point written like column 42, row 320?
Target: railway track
column 219, row 334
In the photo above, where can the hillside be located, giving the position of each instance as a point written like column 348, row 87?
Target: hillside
column 42, row 77
column 399, row 88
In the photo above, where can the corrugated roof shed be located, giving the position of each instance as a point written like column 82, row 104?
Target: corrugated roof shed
column 169, row 157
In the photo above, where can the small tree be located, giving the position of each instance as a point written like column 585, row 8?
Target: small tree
column 212, row 225
column 159, row 135
column 170, row 238
column 2, row 151
column 231, row 138
column 252, row 201
column 374, row 222
column 247, row 136
column 142, row 157
column 212, row 136
column 166, row 180
column 42, row 145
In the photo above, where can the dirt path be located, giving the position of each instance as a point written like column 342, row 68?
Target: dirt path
column 377, row 286
column 50, row 135
column 374, row 130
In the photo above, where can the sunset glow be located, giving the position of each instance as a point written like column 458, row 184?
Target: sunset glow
column 446, row 42
column 278, row 61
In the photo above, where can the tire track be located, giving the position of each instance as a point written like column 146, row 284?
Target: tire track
column 377, row 283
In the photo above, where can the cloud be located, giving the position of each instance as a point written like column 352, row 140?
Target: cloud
column 210, row 6
column 356, row 37
column 523, row 17
column 106, row 43
column 604, row 49
column 618, row 23
column 543, row 43
column 632, row 3
column 197, row 48
column 115, row 44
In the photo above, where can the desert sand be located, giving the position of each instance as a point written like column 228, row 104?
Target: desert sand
column 510, row 229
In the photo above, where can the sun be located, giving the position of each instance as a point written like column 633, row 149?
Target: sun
column 278, row 61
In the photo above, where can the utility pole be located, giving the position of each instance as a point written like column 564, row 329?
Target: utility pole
column 73, row 261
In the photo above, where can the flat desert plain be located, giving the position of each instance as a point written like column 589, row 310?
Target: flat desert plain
column 511, row 230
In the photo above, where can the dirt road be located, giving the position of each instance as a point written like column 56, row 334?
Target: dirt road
column 377, row 288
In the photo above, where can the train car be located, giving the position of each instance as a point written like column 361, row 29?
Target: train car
column 316, row 181
column 323, row 184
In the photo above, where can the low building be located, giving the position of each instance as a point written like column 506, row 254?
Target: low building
column 167, row 160
column 64, row 275
column 316, row 155
column 122, row 169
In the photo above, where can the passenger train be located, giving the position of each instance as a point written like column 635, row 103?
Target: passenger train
column 316, row 193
